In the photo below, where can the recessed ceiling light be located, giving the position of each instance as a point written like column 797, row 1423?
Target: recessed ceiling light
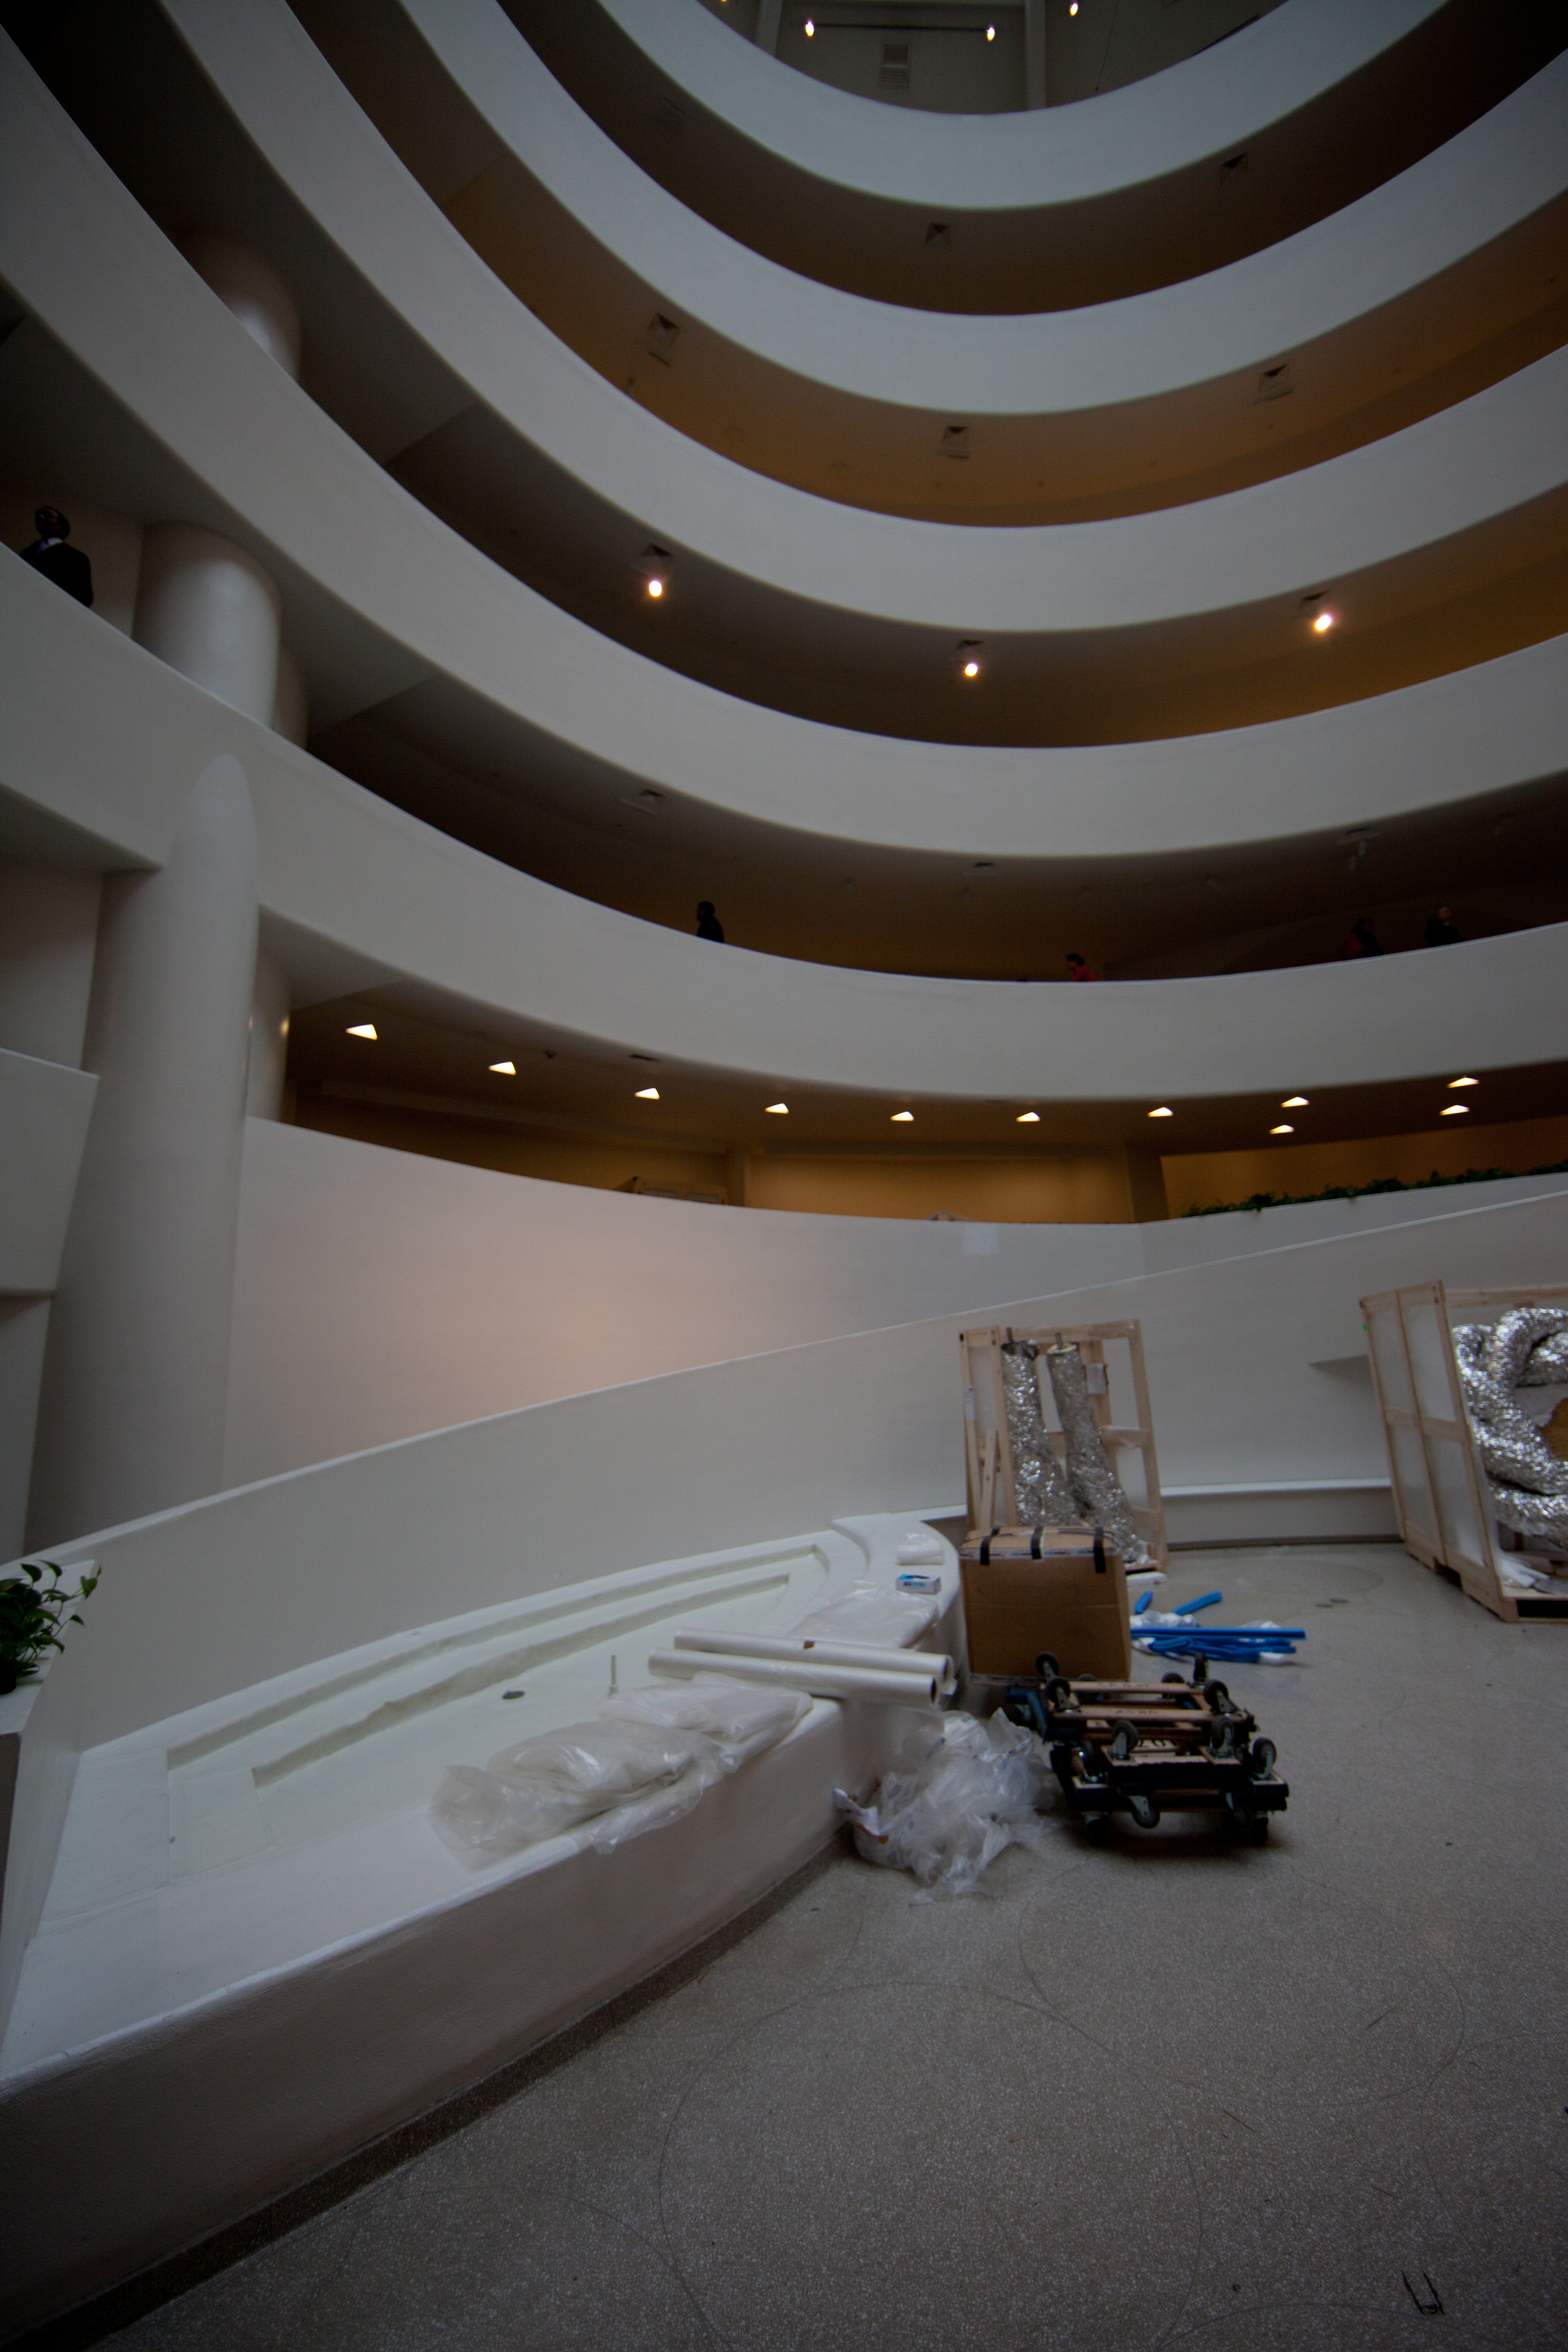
column 991, row 32
column 1028, row 1119
column 656, row 587
column 780, row 1110
column 504, row 1069
column 647, row 1094
column 1072, row 8
column 1281, row 1130
column 972, row 670
column 1455, row 1110
column 1294, row 1102
column 363, row 1029
column 1162, row 1112
column 1462, row 1081
column 1323, row 623
column 810, row 31
column 903, row 1116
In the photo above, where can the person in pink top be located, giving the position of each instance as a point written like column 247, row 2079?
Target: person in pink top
column 1077, row 969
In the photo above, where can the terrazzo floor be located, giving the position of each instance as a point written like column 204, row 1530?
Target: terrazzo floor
column 1162, row 2091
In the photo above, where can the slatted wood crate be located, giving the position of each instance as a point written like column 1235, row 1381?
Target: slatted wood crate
column 1440, row 1488
column 1114, row 1353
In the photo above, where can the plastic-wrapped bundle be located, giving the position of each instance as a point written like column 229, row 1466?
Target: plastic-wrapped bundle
column 649, row 1759
column 1097, row 1489
column 1040, row 1487
column 966, row 1792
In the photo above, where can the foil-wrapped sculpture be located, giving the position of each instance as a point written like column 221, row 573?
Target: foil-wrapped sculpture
column 1040, row 1489
column 1096, row 1488
column 1527, row 1348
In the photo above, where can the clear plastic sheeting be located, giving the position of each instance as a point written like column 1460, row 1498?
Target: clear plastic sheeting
column 1526, row 1349
column 1040, row 1486
column 874, row 1613
column 647, row 1759
column 962, row 1793
column 1097, row 1494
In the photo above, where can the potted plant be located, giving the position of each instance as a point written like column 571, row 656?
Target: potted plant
column 32, row 1611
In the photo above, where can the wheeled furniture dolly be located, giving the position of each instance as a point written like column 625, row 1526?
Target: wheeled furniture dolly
column 1147, row 1749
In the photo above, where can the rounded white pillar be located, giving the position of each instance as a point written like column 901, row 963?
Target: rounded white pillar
column 209, row 609
column 269, row 1039
column 250, row 288
column 135, row 1375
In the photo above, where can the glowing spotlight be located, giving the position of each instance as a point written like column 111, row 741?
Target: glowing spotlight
column 903, row 1118
column 1294, row 1102
column 991, row 32
column 810, row 31
column 779, row 1110
column 1455, row 1110
column 1072, row 8
column 1163, row 1110
column 972, row 670
column 504, row 1069
column 363, row 1029
column 1462, row 1081
column 647, row 1094
column 1281, row 1130
column 1028, row 1119
column 1323, row 623
column 656, row 588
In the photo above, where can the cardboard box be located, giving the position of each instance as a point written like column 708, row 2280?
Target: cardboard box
column 1028, row 1590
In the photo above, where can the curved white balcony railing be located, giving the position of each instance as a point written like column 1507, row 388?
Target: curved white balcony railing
column 1072, row 205
column 269, row 465
column 99, row 736
column 1135, row 403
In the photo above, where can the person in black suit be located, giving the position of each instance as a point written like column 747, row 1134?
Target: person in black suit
column 709, row 927
column 52, row 554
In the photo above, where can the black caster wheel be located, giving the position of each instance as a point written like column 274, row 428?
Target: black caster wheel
column 1144, row 1811
column 1123, row 1740
column 1175, row 1678
column 1200, row 1672
column 1048, row 1665
column 1058, row 1693
column 1218, row 1698
column 1263, row 1758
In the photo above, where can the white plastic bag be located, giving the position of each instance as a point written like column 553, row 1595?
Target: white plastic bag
column 870, row 1613
column 647, row 1759
column 966, row 1791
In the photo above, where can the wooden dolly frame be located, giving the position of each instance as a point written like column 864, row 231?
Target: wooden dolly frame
column 988, row 1452
column 1441, row 1492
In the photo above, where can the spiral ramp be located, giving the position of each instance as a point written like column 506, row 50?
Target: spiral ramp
column 543, row 469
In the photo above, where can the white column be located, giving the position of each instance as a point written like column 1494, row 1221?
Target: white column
column 766, row 36
column 209, row 610
column 131, row 1413
column 269, row 1039
column 250, row 288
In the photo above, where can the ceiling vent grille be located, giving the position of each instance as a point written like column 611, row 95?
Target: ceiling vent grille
column 895, row 73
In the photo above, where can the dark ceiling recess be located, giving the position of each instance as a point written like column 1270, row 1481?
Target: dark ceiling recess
column 1444, row 74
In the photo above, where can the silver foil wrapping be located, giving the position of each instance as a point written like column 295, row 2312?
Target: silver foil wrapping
column 1096, row 1487
column 1514, row 1452
column 1545, row 1516
column 1040, row 1487
column 1529, row 1349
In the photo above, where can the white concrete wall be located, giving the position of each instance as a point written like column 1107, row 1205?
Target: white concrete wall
column 360, row 892
column 49, row 924
column 1222, row 99
column 94, row 269
column 1230, row 320
column 379, row 1295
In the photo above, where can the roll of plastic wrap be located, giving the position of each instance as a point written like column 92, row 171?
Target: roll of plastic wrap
column 828, row 1654
column 821, row 1681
